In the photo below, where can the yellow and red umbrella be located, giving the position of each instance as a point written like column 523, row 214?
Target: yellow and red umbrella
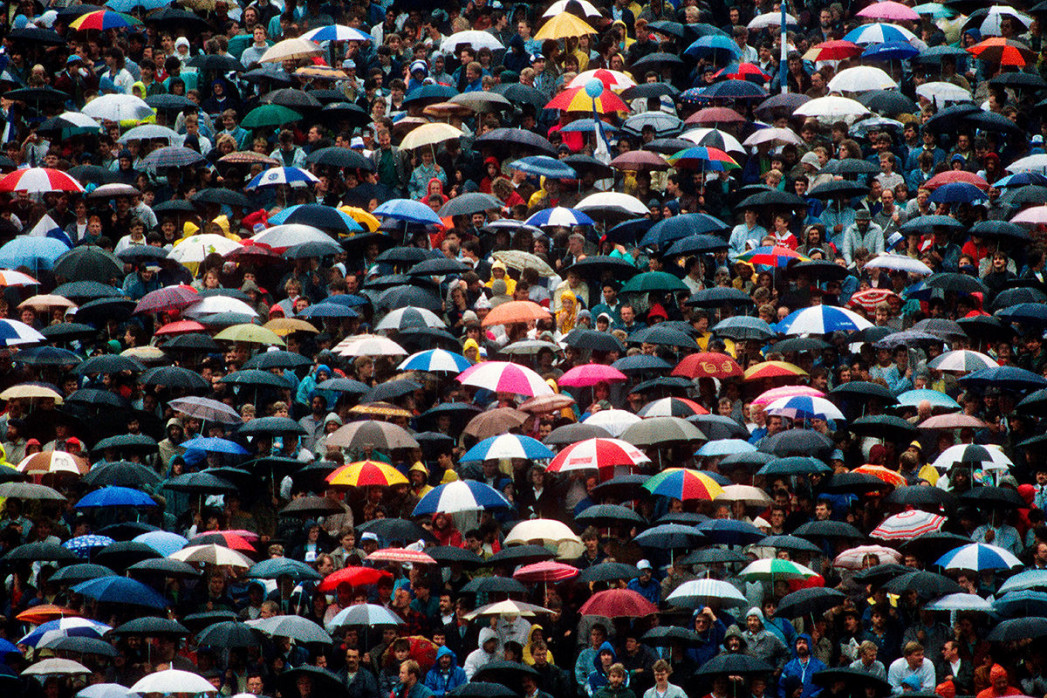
column 774, row 369
column 366, row 473
column 889, row 476
column 1003, row 51
column 578, row 99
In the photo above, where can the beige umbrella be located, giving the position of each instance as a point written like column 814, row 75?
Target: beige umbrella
column 55, row 665
column 29, row 490
column 212, row 554
column 30, row 391
column 46, row 302
column 429, row 135
column 290, row 50
column 507, row 608
column 520, row 260
column 284, row 326
column 752, row 496
column 549, row 531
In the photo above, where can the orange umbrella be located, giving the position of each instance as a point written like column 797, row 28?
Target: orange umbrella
column 886, row 474
column 515, row 312
column 708, row 364
column 37, row 615
column 1003, row 51
column 774, row 369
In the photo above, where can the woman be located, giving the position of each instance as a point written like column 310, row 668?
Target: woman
column 662, row 688
column 445, row 532
column 567, row 315
column 426, row 170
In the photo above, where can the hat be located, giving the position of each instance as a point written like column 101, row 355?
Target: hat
column 357, row 142
column 419, row 467
column 276, row 309
column 836, row 455
column 420, row 65
column 499, row 264
column 74, row 59
column 349, row 64
column 657, row 311
column 958, row 158
column 862, row 214
column 812, row 160
column 73, row 442
column 605, row 316
column 332, row 419
column 1035, row 140
column 894, row 239
column 469, row 318
column 643, row 565
column 482, row 303
column 585, row 314
column 369, row 536
column 535, row 57
column 916, row 444
column 32, row 442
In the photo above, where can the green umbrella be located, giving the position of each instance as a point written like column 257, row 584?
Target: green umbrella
column 269, row 115
column 654, row 281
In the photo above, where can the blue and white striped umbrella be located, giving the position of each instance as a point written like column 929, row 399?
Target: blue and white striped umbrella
column 13, row 332
column 878, row 34
column 805, row 407
column 822, row 319
column 435, row 361
column 82, row 545
column 724, row 447
column 276, row 176
column 978, row 557
column 559, row 217
column 65, row 627
column 336, row 32
column 507, row 446
column 163, row 542
column 461, row 496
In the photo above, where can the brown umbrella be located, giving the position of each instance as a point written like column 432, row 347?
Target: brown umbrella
column 547, row 403
column 493, row 422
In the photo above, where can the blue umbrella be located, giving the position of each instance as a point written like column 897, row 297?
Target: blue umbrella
column 116, row 497
column 281, row 175
column 435, row 361
column 280, row 566
column 730, row 532
column 639, row 363
column 957, row 193
column 876, row 34
column 1021, row 603
column 890, row 51
column 1021, row 179
column 543, row 166
column 732, row 89
column 1024, row 313
column 32, row 252
column 69, row 627
column 121, row 590
column 460, row 496
column 978, row 557
column 912, row 398
column 507, row 446
column 7, row 647
column 715, row 47
column 560, row 217
column 743, row 327
column 666, row 232
column 724, row 447
column 329, row 310
column 794, row 465
column 1005, row 378
column 163, row 542
column 212, row 444
column 82, row 545
column 408, row 211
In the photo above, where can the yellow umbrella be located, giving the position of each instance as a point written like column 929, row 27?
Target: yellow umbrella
column 562, row 26
column 284, row 326
column 362, row 217
column 249, row 334
column 429, row 135
column 323, row 72
column 30, row 391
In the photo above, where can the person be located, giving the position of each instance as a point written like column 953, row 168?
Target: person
column 797, row 678
column 446, row 675
column 645, row 585
column 616, row 684
column 912, row 672
column 410, row 686
column 359, row 680
column 662, row 688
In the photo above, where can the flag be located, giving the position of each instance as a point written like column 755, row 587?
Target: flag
column 602, row 152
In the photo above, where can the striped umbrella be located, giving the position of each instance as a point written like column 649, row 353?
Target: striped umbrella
column 683, row 484
column 460, row 496
column 978, row 557
column 672, row 407
column 366, row 474
column 805, row 407
column 771, row 569
column 336, row 32
column 611, row 79
column 507, row 446
column 889, row 476
column 773, row 369
column 869, row 299
column 577, row 99
column 415, row 557
column 435, row 361
column 908, row 525
column 778, row 257
column 593, row 454
column 822, row 319
column 505, row 377
column 275, row 176
column 704, row 157
column 962, row 361
column 101, row 20
column 39, row 180
column 768, row 396
column 559, row 217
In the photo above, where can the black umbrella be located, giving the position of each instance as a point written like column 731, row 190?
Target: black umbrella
column 591, row 339
column 571, row 433
column 81, row 645
column 930, row 498
column 927, row 584
column 1018, row 629
column 103, row 310
column 504, row 672
column 324, row 683
column 74, row 574
column 228, row 635
column 515, row 140
column 198, row 621
column 174, row 377
column 123, row 554
column 855, row 483
column 221, row 197
column 863, row 390
column 150, row 627
column 453, row 555
column 39, row 552
column 467, row 204
column 337, row 157
column 827, row 529
column 849, row 166
column 88, row 263
column 856, row 681
column 394, row 530
column 994, row 498
column 272, row 425
column 494, row 585
column 797, row 441
column 813, row 601
column 213, row 62
column 884, row 426
column 607, row 572
column 139, row 443
column 656, row 62
column 789, row 542
column 598, row 266
column 734, row 665
column 609, row 515
column 268, row 360
column 163, row 567
column 715, row 556
column 121, row 473
column 622, row 488
column 514, row 555
column 669, row 635
column 716, row 427
column 200, row 483
column 878, row 575
column 482, row 689
column 524, row 95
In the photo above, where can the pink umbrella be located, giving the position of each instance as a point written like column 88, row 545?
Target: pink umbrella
column 889, row 11
column 546, row 571
column 595, row 454
column 768, row 396
column 907, row 525
column 505, row 377
column 591, row 374
column 1035, row 215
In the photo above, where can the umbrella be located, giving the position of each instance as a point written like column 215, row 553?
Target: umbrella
column 120, row 590
column 172, row 681
column 460, row 496
column 683, row 484
column 813, row 601
column 908, row 525
column 617, row 603
column 213, row 555
column 978, row 557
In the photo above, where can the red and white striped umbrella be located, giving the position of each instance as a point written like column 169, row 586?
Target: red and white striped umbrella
column 907, row 525
column 546, row 571
column 611, row 79
column 10, row 277
column 596, row 454
column 415, row 557
column 868, row 300
column 39, row 180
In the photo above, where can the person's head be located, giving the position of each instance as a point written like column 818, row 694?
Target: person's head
column 802, row 646
column 409, row 672
column 662, row 671
column 913, row 653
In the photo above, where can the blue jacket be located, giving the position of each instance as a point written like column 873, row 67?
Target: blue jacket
column 797, row 674
column 441, row 682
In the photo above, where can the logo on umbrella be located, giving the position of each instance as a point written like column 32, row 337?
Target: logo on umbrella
column 273, row 176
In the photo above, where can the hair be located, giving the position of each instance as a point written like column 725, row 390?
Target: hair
column 662, row 665
column 911, row 648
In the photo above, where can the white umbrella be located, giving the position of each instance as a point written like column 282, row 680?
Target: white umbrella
column 148, row 132
column 104, row 690
column 369, row 345
column 612, row 199
column 770, row 19
column 832, row 108
column 942, row 92
column 695, row 135
column 394, row 318
column 77, row 120
column 1035, row 215
column 476, row 39
column 952, row 455
column 117, row 107
column 291, row 234
column 173, row 681
column 212, row 554
column 548, row 531
column 1031, row 163
column 991, row 24
column 195, row 248
column 898, row 262
column 212, row 305
column 507, row 608
column 614, row 421
column 429, row 135
column 774, row 136
column 863, row 78
column 963, row 360
column 289, row 50
column 960, row 602
column 706, row 592
column 560, row 6
column 55, row 665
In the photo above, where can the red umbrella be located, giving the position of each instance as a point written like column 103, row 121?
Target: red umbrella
column 180, row 327
column 225, row 538
column 546, row 571
column 744, row 71
column 1003, row 51
column 951, row 176
column 169, row 299
column 708, row 364
column 254, row 252
column 868, row 300
column 353, row 576
column 618, row 603
column 833, row 51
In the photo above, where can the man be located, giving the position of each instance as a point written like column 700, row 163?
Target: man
column 446, row 675
column 610, row 305
column 762, row 643
column 912, row 672
column 867, row 661
column 645, row 585
column 863, row 233
column 390, row 164
column 359, row 681
column 486, row 653
column 410, row 686
column 530, row 688
column 587, row 657
column 799, row 672
column 554, row 680
column 956, row 669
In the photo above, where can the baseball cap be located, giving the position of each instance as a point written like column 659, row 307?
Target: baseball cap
column 356, row 142
column 73, row 59
column 369, row 536
column 643, row 565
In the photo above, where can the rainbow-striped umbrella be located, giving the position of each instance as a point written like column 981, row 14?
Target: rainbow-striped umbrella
column 776, row 256
column 706, row 157
column 683, row 484
column 102, row 20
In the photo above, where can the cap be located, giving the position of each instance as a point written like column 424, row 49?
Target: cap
column 915, row 444
column 420, row 65
column 643, row 565
column 74, row 59
column 357, row 142
column 349, row 64
column 73, row 442
column 862, row 214
column 894, row 239
column 535, row 57
column 836, row 455
column 369, row 536
column 276, row 309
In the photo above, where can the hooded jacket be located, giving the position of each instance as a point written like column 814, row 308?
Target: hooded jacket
column 763, row 644
column 479, row 657
column 799, row 674
column 440, row 681
column 597, row 678
column 528, row 657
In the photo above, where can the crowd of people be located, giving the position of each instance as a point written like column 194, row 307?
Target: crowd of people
column 591, row 350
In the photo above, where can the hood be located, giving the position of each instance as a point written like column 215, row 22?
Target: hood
column 485, row 635
column 517, row 42
column 997, row 672
column 755, row 611
column 530, row 633
column 605, row 647
column 447, row 651
column 735, row 631
column 810, row 643
column 322, row 367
